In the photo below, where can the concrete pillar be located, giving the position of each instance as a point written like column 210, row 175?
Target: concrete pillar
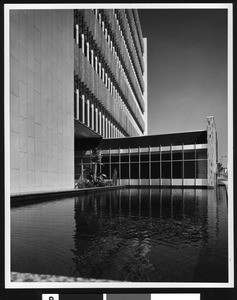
column 77, row 108
column 83, row 109
column 88, row 112
column 77, row 34
column 211, row 153
column 92, row 116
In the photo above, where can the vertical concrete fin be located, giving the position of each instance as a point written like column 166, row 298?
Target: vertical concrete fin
column 211, row 152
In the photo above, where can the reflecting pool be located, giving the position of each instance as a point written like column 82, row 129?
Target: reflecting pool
column 151, row 235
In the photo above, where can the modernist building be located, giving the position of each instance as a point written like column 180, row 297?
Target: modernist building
column 73, row 74
column 180, row 159
column 78, row 80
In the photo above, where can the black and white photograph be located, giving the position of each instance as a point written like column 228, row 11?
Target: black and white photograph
column 119, row 146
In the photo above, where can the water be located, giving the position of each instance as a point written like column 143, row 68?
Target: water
column 150, row 235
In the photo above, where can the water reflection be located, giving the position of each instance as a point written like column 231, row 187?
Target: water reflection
column 146, row 234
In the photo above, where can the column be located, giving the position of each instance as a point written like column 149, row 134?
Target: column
column 106, row 127
column 88, row 112
column 100, row 121
column 96, row 119
column 87, row 51
column 96, row 64
column 83, row 109
column 103, row 122
column 77, row 34
column 92, row 58
column 171, row 166
column 77, row 108
column 149, row 157
column 109, row 129
column 83, row 43
column 92, row 116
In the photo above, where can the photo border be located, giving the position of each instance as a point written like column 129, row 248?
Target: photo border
column 107, row 285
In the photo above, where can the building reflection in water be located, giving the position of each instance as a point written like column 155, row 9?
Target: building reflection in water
column 146, row 234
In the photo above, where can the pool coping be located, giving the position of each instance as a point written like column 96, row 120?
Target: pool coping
column 25, row 198
column 32, row 277
column 44, row 196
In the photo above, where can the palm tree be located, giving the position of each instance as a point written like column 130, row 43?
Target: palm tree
column 96, row 158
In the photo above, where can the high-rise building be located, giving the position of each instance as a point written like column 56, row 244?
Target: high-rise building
column 73, row 74
column 110, row 68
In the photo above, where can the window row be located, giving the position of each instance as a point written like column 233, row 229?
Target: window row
column 101, row 69
column 95, row 117
column 108, row 32
column 154, row 170
column 84, row 40
column 128, row 45
column 154, row 156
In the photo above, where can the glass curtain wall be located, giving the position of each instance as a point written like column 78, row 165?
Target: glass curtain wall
column 163, row 165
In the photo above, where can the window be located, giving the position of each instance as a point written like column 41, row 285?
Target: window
column 144, row 157
column 177, row 169
column 155, row 170
column 105, row 170
column 134, row 171
column 201, row 169
column 124, row 158
column 166, row 170
column 201, row 154
column 177, row 155
column 124, row 171
column 155, row 156
column 189, row 154
column 114, row 158
column 144, row 170
column 189, row 169
column 165, row 156
column 113, row 167
column 80, row 108
column 134, row 157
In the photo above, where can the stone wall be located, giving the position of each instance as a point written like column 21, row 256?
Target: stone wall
column 41, row 100
column 211, row 152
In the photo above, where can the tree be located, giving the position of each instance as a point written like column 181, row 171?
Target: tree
column 219, row 168
column 96, row 158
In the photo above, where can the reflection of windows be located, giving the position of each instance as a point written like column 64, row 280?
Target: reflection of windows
column 134, row 171
column 189, row 169
column 144, row 170
column 124, row 171
column 166, row 170
column 201, row 169
column 201, row 154
column 155, row 170
column 177, row 171
column 189, row 154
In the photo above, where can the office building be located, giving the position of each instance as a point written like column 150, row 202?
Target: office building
column 78, row 80
column 73, row 74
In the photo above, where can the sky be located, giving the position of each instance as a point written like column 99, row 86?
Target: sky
column 187, row 70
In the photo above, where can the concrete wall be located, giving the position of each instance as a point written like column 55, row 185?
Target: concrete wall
column 211, row 152
column 41, row 100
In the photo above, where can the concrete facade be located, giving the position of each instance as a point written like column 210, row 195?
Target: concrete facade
column 212, row 152
column 41, row 101
column 110, row 72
